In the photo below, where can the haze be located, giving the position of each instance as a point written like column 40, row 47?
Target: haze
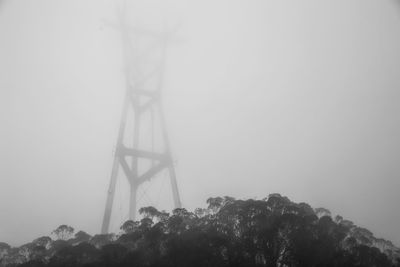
column 295, row 97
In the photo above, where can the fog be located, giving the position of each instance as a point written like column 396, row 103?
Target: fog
column 295, row 97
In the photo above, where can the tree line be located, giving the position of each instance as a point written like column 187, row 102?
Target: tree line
column 228, row 233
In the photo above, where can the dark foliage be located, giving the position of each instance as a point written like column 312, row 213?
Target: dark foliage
column 269, row 232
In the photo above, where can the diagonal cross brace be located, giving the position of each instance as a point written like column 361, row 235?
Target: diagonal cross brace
column 145, row 176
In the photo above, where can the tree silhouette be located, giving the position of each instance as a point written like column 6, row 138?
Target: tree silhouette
column 63, row 232
column 228, row 233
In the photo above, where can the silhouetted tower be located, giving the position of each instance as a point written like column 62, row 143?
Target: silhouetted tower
column 136, row 152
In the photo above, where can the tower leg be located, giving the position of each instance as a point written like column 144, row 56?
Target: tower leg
column 174, row 185
column 110, row 197
column 172, row 174
column 114, row 172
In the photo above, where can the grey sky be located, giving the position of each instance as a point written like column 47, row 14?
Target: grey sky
column 295, row 97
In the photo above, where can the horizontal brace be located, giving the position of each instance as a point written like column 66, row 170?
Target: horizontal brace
column 124, row 151
column 153, row 94
column 137, row 30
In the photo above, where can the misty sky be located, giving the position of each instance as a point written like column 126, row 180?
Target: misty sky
column 296, row 97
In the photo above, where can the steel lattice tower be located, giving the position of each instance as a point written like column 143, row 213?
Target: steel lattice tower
column 144, row 54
